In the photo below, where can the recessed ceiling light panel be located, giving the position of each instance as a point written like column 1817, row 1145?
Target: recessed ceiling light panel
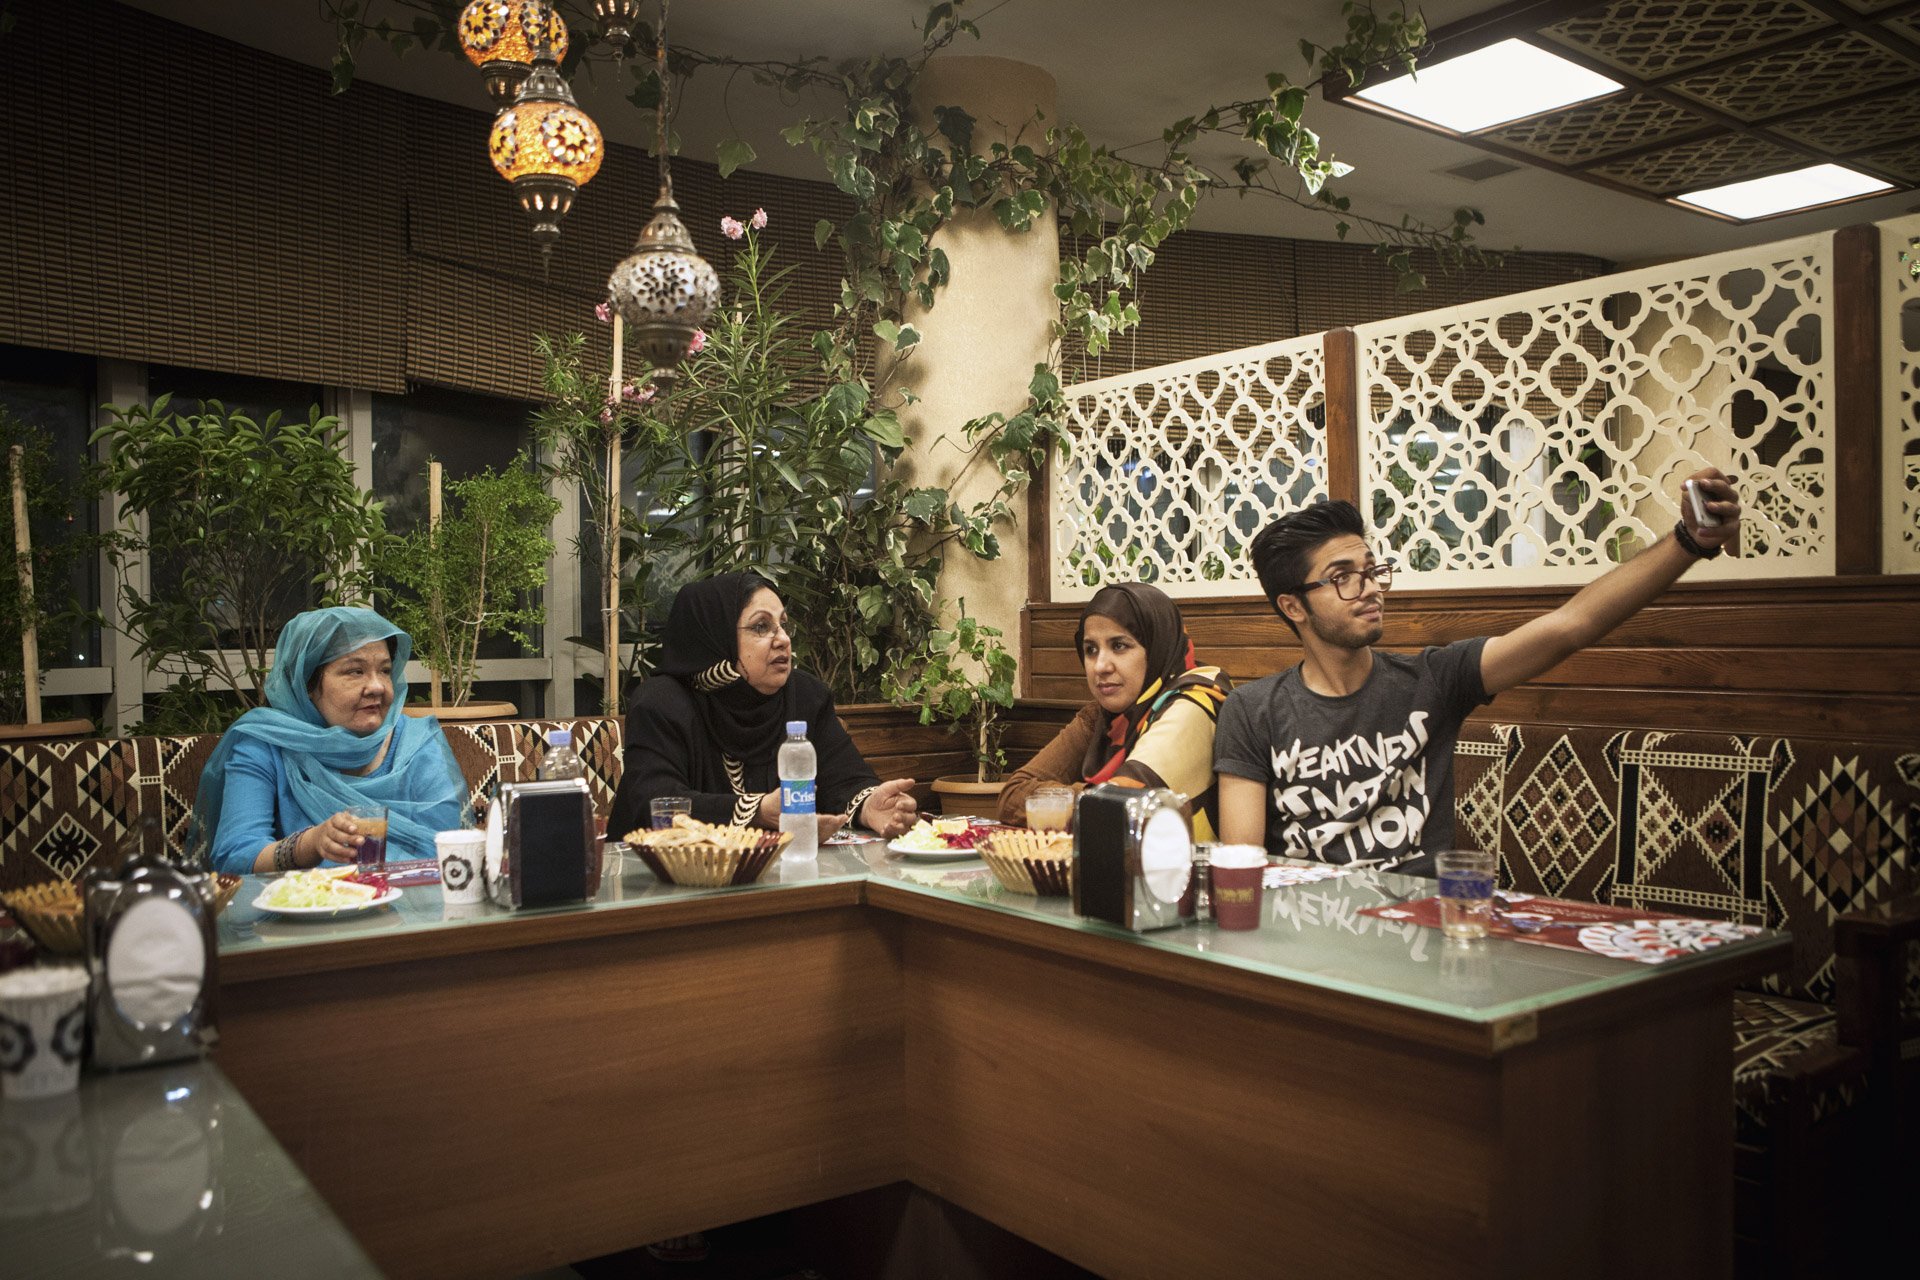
column 1784, row 192
column 1490, row 86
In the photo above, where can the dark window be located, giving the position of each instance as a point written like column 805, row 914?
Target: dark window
column 54, row 392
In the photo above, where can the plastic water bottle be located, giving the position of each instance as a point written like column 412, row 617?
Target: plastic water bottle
column 798, row 765
column 561, row 760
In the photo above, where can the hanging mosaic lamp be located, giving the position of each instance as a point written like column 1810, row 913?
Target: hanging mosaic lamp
column 617, row 19
column 546, row 146
column 664, row 290
column 500, row 37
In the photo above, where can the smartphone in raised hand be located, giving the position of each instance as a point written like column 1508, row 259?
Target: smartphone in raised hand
column 1702, row 517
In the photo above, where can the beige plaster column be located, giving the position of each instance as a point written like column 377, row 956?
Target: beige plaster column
column 986, row 329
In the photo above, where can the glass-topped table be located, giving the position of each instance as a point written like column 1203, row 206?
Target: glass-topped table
column 1314, row 934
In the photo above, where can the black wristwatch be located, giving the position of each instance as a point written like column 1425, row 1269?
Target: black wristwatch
column 1691, row 545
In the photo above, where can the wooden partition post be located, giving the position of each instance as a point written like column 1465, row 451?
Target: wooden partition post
column 1856, row 400
column 1343, row 414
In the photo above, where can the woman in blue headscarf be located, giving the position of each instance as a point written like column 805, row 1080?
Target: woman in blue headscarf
column 275, row 793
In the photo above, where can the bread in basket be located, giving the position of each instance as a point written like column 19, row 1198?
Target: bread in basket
column 1036, row 862
column 54, row 914
column 698, row 853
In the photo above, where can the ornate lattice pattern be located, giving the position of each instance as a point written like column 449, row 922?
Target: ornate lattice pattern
column 1858, row 125
column 1792, row 79
column 1902, row 161
column 1542, row 438
column 1653, row 38
column 1601, row 128
column 1173, row 470
column 1688, row 166
column 1900, row 395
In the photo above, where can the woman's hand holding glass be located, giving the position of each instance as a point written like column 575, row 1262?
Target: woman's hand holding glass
column 335, row 840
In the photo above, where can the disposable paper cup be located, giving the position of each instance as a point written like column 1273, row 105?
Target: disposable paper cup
column 43, row 1030
column 462, row 857
column 661, row 809
column 1238, row 872
column 1466, row 892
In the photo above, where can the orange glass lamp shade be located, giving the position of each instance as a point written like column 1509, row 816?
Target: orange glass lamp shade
column 547, row 150
column 501, row 36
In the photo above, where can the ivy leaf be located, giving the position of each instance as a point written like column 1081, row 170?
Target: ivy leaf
column 886, row 331
column 957, row 125
column 884, row 430
column 342, row 70
column 822, row 231
column 732, row 154
column 925, row 505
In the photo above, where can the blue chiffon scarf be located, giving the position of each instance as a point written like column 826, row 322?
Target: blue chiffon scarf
column 421, row 776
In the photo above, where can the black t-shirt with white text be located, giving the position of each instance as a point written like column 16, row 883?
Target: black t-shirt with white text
column 1364, row 776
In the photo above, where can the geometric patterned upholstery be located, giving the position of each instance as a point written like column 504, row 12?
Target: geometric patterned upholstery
column 1769, row 1032
column 66, row 805
column 1784, row 832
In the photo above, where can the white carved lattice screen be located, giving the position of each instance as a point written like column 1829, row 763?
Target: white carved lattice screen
column 1174, row 469
column 1900, row 395
column 1541, row 438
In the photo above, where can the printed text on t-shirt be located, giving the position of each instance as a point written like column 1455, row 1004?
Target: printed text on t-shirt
column 1364, row 796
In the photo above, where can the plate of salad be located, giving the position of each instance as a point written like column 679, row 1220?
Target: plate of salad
column 326, row 891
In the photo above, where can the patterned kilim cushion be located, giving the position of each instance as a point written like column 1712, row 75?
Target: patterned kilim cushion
column 1785, row 832
column 68, row 805
column 1769, row 1032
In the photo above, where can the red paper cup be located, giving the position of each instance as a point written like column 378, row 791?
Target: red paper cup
column 1237, row 886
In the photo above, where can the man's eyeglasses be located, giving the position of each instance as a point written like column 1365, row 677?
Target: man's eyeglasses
column 763, row 628
column 1351, row 584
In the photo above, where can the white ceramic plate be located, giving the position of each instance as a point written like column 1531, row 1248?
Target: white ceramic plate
column 352, row 908
column 932, row 855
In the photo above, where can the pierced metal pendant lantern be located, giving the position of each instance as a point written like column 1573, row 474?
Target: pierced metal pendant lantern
column 547, row 147
column 664, row 290
column 617, row 19
column 501, row 37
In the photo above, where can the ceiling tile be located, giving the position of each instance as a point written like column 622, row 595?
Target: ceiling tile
column 1858, row 125
column 1789, row 79
column 1708, row 162
column 1902, row 161
column 1907, row 25
column 1651, row 38
column 1872, row 6
column 1596, row 129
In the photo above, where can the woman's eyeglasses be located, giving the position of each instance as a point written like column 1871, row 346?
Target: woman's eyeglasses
column 1351, row 584
column 763, row 628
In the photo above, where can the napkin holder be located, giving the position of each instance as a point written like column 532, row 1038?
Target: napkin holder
column 546, row 853
column 1133, row 856
column 152, row 956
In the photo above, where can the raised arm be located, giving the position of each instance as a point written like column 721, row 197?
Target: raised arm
column 1607, row 601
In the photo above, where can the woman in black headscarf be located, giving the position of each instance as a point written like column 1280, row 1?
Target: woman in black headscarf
column 710, row 724
column 1154, row 707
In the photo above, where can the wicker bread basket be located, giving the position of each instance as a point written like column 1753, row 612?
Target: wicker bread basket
column 55, row 915
column 694, row 853
column 1035, row 862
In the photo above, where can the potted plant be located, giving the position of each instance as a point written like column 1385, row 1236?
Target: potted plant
column 474, row 572
column 241, row 525
column 37, row 601
column 965, row 677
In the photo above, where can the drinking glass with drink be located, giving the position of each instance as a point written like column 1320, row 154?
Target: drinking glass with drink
column 370, row 820
column 1466, row 892
column 1050, row 808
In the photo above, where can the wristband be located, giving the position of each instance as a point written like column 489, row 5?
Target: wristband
column 1691, row 545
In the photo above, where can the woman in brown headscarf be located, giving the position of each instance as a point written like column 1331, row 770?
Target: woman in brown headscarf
column 1151, row 720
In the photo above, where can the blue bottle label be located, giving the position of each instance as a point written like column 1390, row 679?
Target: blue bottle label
column 797, row 797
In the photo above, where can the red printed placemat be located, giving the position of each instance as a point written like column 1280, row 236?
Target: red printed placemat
column 1624, row 933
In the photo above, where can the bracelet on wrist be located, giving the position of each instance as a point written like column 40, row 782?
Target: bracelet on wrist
column 1691, row 545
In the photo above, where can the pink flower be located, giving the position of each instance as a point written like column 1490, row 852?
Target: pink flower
column 606, row 415
column 759, row 220
column 699, row 341
column 732, row 228
column 638, row 394
column 603, row 313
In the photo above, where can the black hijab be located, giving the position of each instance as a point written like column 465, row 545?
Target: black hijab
column 701, row 649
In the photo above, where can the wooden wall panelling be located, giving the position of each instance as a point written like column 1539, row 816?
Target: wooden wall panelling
column 1831, row 658
column 639, row 1086
column 1343, row 414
